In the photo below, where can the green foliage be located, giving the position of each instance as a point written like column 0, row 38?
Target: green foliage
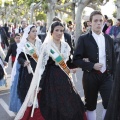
column 41, row 16
column 44, row 6
column 114, row 14
column 67, row 19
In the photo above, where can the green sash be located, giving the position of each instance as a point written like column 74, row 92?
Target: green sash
column 57, row 57
column 31, row 51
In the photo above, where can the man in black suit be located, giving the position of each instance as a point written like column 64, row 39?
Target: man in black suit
column 13, row 49
column 39, row 28
column 4, row 36
column 104, row 28
column 98, row 70
column 24, row 25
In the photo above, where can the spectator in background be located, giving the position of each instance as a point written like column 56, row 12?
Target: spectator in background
column 104, row 28
column 39, row 27
column 12, row 51
column 70, row 23
column 115, row 30
column 66, row 28
column 9, row 30
column 16, row 28
column 84, row 27
column 88, row 26
column 43, row 32
column 109, row 24
column 4, row 36
column 24, row 25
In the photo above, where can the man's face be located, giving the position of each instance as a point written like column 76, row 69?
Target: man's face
column 118, row 23
column 96, row 23
column 24, row 24
column 17, row 39
column 88, row 23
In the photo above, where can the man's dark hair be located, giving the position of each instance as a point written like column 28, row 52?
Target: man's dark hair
column 106, row 17
column 85, row 24
column 23, row 21
column 118, row 20
column 56, row 19
column 110, row 21
column 17, row 34
column 70, row 23
column 96, row 12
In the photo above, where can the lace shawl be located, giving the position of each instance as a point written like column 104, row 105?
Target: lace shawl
column 42, row 61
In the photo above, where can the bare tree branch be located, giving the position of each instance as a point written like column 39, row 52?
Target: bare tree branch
column 64, row 11
column 35, row 6
column 100, row 3
column 94, row 6
column 63, row 6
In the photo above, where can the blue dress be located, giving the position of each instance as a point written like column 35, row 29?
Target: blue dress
column 15, row 103
column 2, row 82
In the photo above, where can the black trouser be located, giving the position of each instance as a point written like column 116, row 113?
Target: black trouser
column 92, row 84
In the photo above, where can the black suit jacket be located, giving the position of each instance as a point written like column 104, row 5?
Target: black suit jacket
column 11, row 51
column 88, row 48
column 104, row 28
column 69, row 41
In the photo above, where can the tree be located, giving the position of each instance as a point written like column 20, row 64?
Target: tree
column 115, row 14
column 117, row 3
column 81, row 4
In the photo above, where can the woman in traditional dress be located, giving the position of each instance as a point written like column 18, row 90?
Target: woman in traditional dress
column 25, row 64
column 2, row 68
column 113, row 110
column 59, row 99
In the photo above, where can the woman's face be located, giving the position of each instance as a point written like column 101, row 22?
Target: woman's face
column 57, row 33
column 108, row 24
column 33, row 33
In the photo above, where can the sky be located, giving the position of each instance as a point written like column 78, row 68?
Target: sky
column 108, row 9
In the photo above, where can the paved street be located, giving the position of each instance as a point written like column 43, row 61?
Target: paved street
column 5, row 114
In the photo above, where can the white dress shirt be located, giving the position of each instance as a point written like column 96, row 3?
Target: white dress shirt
column 100, row 40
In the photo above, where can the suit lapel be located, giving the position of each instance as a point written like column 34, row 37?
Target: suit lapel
column 92, row 39
column 106, row 43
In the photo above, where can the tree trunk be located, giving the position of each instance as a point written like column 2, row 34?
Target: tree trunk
column 31, row 16
column 118, row 8
column 50, row 14
column 78, row 29
column 118, row 13
column 73, row 11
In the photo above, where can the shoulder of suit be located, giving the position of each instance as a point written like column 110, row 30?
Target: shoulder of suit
column 12, row 44
column 108, row 37
column 66, row 34
column 84, row 35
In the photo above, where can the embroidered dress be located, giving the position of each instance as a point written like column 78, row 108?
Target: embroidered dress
column 58, row 98
column 22, row 79
column 113, row 110
column 15, row 103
